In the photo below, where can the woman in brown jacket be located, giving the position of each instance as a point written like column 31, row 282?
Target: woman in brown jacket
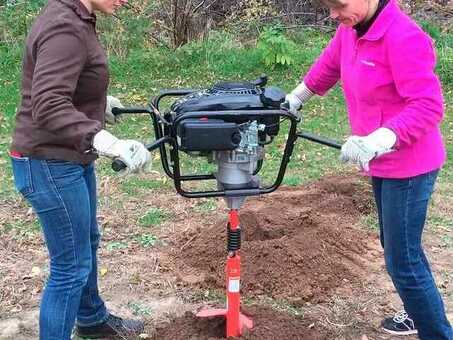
column 59, row 133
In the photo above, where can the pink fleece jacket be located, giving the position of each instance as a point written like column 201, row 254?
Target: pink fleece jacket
column 388, row 81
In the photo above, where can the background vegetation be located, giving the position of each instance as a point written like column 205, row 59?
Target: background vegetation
column 150, row 49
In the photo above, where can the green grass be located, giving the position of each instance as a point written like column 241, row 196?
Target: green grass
column 116, row 245
column 140, row 186
column 292, row 180
column 442, row 226
column 370, row 222
column 154, row 217
column 147, row 240
column 140, row 309
column 22, row 229
column 206, row 205
column 295, row 309
column 440, row 221
column 446, row 241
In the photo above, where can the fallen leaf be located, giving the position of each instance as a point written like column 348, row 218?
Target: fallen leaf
column 35, row 271
column 103, row 271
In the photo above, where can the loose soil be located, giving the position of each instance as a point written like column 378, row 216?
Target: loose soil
column 268, row 325
column 311, row 268
column 299, row 244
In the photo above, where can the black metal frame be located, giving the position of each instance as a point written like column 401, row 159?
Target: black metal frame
column 165, row 133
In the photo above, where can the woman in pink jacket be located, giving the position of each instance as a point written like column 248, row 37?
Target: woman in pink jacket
column 385, row 63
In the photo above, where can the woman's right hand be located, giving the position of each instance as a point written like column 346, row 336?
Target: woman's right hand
column 292, row 103
column 297, row 97
column 131, row 152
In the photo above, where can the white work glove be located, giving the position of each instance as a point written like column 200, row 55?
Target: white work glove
column 361, row 150
column 297, row 97
column 111, row 103
column 134, row 154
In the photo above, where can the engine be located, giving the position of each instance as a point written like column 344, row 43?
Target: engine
column 235, row 143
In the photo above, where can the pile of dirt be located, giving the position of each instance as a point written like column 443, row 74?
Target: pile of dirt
column 298, row 244
column 268, row 325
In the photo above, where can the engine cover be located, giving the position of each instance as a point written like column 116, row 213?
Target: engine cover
column 230, row 96
column 208, row 135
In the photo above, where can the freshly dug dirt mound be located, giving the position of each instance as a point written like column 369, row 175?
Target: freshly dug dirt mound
column 268, row 325
column 298, row 244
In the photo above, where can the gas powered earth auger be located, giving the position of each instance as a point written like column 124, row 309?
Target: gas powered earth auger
column 230, row 124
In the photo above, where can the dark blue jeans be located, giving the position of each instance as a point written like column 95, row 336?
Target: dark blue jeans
column 63, row 194
column 402, row 205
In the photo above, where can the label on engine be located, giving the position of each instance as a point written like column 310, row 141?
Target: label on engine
column 233, row 286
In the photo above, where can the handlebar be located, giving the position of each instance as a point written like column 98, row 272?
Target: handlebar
column 160, row 124
column 319, row 139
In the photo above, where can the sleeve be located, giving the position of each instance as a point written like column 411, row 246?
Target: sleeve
column 412, row 62
column 326, row 70
column 60, row 56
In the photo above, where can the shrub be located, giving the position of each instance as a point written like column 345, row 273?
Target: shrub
column 275, row 47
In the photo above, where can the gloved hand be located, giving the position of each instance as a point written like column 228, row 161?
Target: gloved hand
column 134, row 154
column 111, row 103
column 292, row 103
column 296, row 98
column 361, row 150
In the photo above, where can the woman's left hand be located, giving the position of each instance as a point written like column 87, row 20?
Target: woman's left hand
column 111, row 103
column 361, row 150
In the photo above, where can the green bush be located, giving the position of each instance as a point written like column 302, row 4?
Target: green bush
column 275, row 47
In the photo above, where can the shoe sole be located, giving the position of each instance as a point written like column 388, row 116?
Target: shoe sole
column 412, row 332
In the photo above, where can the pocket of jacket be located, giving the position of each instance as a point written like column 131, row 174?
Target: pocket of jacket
column 22, row 175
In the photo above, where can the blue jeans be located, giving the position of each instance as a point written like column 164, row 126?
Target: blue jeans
column 63, row 195
column 402, row 205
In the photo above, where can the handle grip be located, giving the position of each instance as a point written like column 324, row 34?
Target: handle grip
column 121, row 110
column 118, row 165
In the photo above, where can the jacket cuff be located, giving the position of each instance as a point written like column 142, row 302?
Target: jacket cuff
column 87, row 142
column 302, row 92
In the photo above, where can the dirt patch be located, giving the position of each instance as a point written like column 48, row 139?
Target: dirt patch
column 299, row 244
column 269, row 324
column 301, row 252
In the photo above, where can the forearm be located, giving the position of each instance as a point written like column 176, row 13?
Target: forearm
column 326, row 70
